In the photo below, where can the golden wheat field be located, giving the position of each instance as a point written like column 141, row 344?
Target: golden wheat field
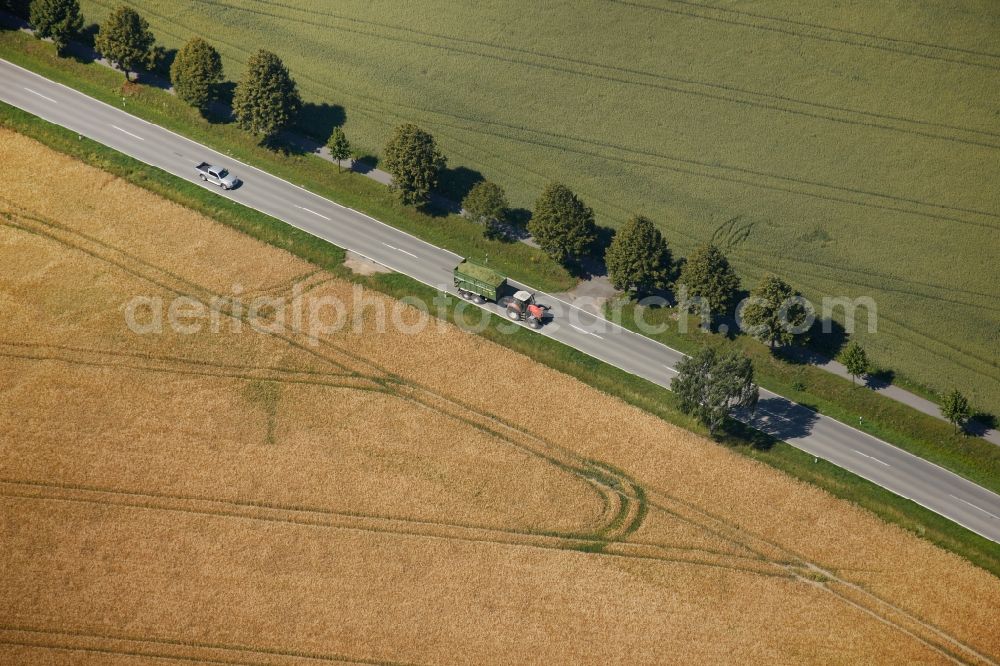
column 238, row 496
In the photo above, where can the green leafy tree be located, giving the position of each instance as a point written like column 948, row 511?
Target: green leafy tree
column 638, row 258
column 266, row 99
column 562, row 225
column 707, row 275
column 59, row 20
column 956, row 409
column 340, row 147
column 157, row 60
column 413, row 159
column 124, row 39
column 711, row 384
column 773, row 312
column 855, row 359
column 486, row 203
column 195, row 72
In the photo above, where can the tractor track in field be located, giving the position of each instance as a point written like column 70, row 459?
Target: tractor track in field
column 809, row 280
column 825, row 578
column 168, row 360
column 624, row 512
column 986, row 367
column 992, row 61
column 627, row 70
column 627, row 501
column 131, row 645
column 876, row 275
column 875, row 120
column 788, row 564
column 112, row 359
column 479, row 128
column 744, row 175
column 388, row 526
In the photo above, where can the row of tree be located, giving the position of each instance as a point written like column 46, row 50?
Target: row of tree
column 710, row 384
column 265, row 102
column 266, row 99
column 639, row 261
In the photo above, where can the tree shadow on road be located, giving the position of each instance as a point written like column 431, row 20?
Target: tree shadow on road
column 822, row 342
column 777, row 419
column 364, row 164
column 980, row 424
column 455, row 183
column 317, row 121
column 879, row 379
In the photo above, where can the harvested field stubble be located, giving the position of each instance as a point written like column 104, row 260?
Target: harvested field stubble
column 242, row 497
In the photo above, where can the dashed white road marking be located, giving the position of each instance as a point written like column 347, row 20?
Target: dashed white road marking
column 976, row 507
column 134, row 136
column 672, row 370
column 585, row 331
column 392, row 247
column 311, row 211
column 35, row 92
column 777, row 416
column 882, row 462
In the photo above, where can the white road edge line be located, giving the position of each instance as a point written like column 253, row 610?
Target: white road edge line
column 873, row 458
column 312, row 211
column 134, row 136
column 975, row 507
column 35, row 92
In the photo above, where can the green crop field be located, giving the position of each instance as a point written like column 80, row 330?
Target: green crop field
column 852, row 148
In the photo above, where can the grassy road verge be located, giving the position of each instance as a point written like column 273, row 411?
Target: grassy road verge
column 638, row 392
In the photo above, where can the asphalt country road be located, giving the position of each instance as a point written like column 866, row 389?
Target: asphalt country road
column 911, row 477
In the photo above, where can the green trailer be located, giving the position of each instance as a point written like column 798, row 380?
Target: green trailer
column 475, row 281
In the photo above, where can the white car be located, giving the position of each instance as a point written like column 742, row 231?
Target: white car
column 217, row 175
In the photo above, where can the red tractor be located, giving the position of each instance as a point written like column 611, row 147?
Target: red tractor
column 474, row 281
column 522, row 307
